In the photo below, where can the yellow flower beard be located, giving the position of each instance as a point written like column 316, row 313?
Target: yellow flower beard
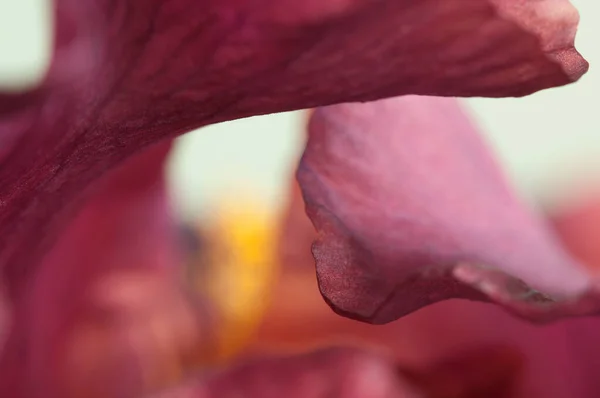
column 241, row 271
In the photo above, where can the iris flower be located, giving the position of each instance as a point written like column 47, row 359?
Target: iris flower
column 409, row 207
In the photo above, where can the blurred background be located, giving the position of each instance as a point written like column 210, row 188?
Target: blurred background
column 231, row 182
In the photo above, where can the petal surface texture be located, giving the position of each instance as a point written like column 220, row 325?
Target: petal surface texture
column 126, row 74
column 411, row 209
column 555, row 360
column 104, row 315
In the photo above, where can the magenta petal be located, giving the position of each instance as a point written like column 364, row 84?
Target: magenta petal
column 410, row 209
column 331, row 373
column 126, row 74
column 559, row 360
column 85, row 326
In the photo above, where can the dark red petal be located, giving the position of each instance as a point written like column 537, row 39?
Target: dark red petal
column 331, row 373
column 411, row 209
column 557, row 358
column 490, row 372
column 129, row 73
column 105, row 302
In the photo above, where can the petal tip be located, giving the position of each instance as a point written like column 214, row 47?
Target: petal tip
column 572, row 63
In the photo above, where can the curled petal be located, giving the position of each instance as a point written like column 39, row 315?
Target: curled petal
column 126, row 74
column 557, row 360
column 411, row 209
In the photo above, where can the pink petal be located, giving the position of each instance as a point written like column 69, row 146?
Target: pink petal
column 411, row 209
column 352, row 372
column 559, row 360
column 127, row 74
column 331, row 373
column 86, row 323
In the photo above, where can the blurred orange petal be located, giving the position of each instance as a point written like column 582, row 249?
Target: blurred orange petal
column 578, row 225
